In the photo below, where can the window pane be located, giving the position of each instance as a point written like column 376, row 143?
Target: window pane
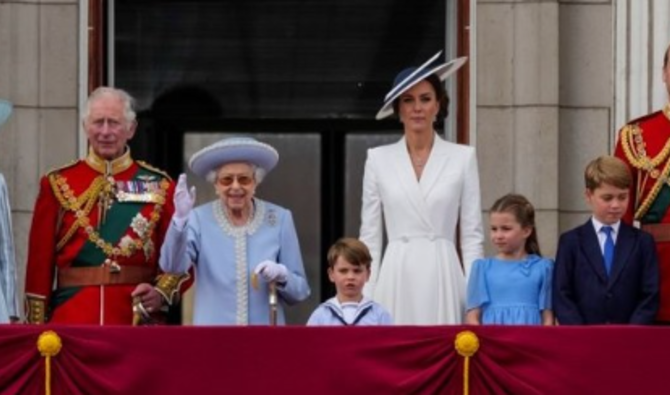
column 274, row 58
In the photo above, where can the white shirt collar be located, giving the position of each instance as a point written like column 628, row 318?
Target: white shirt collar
column 597, row 225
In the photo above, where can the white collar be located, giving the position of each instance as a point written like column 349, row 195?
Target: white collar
column 597, row 225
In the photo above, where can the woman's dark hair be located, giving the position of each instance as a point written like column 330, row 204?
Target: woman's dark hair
column 524, row 213
column 440, row 94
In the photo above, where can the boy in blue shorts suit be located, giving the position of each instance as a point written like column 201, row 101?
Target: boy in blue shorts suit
column 349, row 269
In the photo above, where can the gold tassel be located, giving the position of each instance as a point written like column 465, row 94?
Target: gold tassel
column 467, row 344
column 49, row 344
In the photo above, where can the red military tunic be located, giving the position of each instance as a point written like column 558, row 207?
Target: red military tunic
column 72, row 230
column 644, row 144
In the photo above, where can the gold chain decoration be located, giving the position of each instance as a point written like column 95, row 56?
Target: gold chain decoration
column 49, row 345
column 635, row 150
column 89, row 197
column 66, row 198
column 467, row 344
column 632, row 134
column 656, row 189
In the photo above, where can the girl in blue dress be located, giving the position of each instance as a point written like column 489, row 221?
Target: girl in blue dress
column 514, row 286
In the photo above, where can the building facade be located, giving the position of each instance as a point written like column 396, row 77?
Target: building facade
column 550, row 83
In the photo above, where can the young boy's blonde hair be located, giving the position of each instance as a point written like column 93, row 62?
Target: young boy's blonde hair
column 609, row 170
column 350, row 249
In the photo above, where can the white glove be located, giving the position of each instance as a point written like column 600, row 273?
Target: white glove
column 183, row 198
column 272, row 271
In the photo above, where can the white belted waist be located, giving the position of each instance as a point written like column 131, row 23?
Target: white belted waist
column 407, row 237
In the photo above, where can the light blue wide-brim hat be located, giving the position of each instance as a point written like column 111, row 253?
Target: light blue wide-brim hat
column 413, row 75
column 231, row 150
column 5, row 111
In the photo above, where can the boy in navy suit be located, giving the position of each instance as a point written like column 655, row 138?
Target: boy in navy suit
column 606, row 271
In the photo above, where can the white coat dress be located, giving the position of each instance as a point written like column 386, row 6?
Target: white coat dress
column 420, row 279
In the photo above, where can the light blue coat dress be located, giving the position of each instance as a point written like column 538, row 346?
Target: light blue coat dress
column 8, row 300
column 225, row 256
column 368, row 312
column 511, row 292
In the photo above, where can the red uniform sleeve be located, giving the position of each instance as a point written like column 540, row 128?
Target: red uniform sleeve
column 42, row 243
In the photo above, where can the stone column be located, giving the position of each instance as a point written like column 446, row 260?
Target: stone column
column 518, row 107
column 39, row 60
column 586, row 99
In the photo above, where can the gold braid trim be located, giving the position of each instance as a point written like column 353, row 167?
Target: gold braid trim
column 66, row 198
column 651, row 196
column 154, row 169
column 35, row 309
column 168, row 285
column 634, row 149
column 89, row 198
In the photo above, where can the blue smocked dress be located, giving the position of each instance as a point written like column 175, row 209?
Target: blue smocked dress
column 510, row 292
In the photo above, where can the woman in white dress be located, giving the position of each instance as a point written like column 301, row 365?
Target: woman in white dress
column 420, row 190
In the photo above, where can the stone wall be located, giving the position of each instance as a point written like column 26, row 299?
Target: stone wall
column 39, row 60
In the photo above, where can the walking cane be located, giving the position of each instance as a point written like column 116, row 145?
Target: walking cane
column 273, row 303
column 272, row 297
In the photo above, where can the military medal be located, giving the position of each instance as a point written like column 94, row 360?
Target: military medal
column 146, row 190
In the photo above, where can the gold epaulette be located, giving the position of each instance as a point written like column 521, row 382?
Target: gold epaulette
column 65, row 166
column 154, row 169
column 35, row 309
column 168, row 285
column 652, row 115
column 635, row 149
column 630, row 139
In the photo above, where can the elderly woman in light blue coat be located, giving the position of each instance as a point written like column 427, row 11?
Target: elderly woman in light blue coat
column 244, row 250
column 8, row 301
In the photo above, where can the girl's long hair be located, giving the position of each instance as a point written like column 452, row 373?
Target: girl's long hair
column 524, row 213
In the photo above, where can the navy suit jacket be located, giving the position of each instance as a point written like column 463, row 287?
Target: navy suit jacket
column 584, row 294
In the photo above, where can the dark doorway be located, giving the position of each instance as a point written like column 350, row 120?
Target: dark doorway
column 306, row 76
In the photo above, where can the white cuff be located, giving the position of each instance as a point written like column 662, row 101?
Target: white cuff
column 179, row 223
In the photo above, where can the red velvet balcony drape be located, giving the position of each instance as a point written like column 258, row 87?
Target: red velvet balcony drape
column 299, row 360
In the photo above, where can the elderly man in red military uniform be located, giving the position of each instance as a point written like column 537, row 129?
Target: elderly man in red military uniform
column 98, row 227
column 644, row 144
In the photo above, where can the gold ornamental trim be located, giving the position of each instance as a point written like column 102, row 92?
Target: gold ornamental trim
column 101, row 186
column 634, row 148
column 467, row 344
column 106, row 167
column 49, row 345
column 168, row 285
column 35, row 309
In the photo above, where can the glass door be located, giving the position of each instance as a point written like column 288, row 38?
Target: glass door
column 305, row 76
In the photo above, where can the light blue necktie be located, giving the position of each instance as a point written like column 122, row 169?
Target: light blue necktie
column 608, row 251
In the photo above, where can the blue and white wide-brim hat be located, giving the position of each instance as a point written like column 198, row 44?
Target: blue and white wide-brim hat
column 413, row 75
column 5, row 111
column 233, row 149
